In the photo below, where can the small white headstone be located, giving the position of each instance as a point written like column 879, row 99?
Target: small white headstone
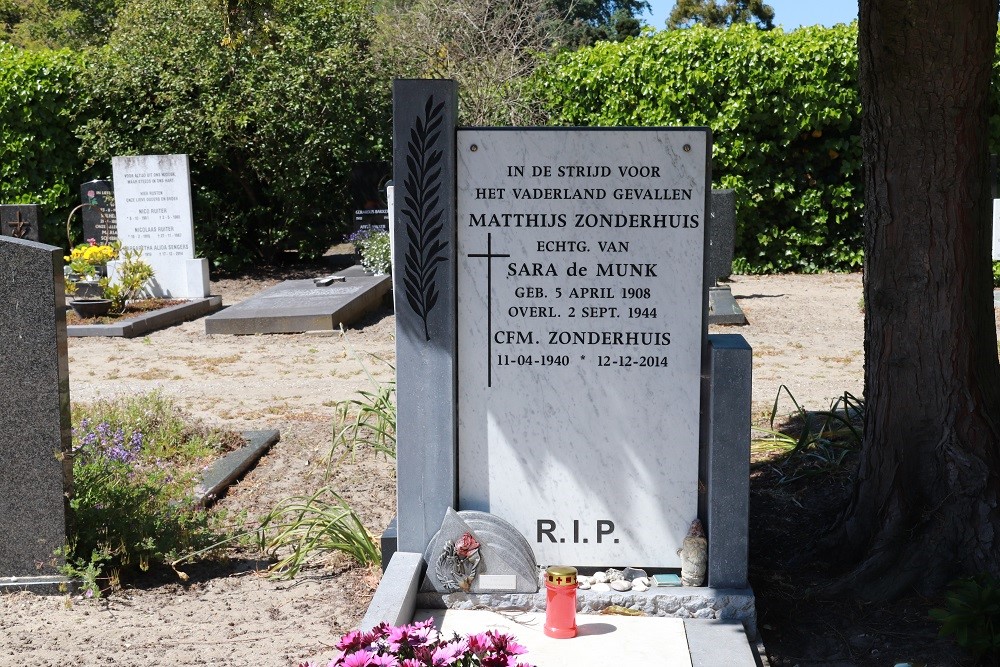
column 153, row 205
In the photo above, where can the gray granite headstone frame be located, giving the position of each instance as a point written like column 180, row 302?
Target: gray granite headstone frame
column 19, row 221
column 35, row 466
column 424, row 119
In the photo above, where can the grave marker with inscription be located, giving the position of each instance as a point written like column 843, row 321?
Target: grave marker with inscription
column 154, row 211
column 581, row 299
column 100, row 221
column 19, row 221
column 552, row 291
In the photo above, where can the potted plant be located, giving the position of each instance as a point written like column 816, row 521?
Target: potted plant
column 87, row 263
column 375, row 250
column 109, row 296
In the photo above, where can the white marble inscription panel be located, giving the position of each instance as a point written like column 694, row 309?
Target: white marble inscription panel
column 153, row 206
column 581, row 325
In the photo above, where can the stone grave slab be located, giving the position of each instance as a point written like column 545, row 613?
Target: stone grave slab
column 297, row 306
column 36, row 471
column 154, row 213
column 100, row 221
column 19, row 221
column 600, row 640
column 221, row 473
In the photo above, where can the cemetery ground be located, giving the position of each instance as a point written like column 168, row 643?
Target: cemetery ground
column 806, row 332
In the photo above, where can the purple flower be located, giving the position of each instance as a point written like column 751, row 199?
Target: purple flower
column 358, row 659
column 479, row 643
column 446, row 654
column 417, row 634
column 352, row 641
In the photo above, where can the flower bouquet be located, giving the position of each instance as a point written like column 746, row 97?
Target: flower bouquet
column 420, row 645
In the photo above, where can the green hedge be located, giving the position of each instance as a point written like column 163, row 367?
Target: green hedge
column 273, row 104
column 39, row 161
column 785, row 117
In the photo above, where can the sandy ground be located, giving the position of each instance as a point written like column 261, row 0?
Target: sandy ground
column 806, row 332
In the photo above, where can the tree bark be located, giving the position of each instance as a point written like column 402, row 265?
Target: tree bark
column 924, row 508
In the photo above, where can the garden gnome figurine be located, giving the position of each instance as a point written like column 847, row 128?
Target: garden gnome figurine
column 694, row 555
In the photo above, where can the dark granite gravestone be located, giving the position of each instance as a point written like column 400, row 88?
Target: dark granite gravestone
column 99, row 220
column 19, row 221
column 722, row 234
column 368, row 197
column 35, row 466
column 722, row 307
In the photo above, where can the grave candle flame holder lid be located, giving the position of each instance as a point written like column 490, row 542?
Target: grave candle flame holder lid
column 560, row 575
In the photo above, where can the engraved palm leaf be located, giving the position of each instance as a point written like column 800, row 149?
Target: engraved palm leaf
column 423, row 213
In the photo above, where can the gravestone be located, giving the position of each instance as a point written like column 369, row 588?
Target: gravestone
column 581, row 294
column 154, row 213
column 722, row 307
column 722, row 240
column 100, row 221
column 19, row 221
column 553, row 289
column 553, row 369
column 36, row 470
column 368, row 198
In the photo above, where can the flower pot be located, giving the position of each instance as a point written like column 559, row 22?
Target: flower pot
column 90, row 307
column 89, row 289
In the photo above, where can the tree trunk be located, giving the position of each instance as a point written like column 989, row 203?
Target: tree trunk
column 924, row 508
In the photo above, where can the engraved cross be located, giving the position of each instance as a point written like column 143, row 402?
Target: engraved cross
column 18, row 228
column 490, row 256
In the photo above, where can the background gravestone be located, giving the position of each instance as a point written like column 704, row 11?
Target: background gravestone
column 35, row 469
column 19, row 221
column 368, row 195
column 154, row 213
column 722, row 307
column 99, row 219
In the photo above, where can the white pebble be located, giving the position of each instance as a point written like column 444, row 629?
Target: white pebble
column 639, row 587
column 601, row 588
column 583, row 579
column 621, row 585
column 641, row 580
column 583, row 585
column 599, row 578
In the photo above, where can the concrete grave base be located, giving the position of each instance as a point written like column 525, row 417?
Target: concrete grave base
column 151, row 321
column 603, row 639
column 298, row 306
column 711, row 627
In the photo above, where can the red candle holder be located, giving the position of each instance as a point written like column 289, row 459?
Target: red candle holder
column 560, row 606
